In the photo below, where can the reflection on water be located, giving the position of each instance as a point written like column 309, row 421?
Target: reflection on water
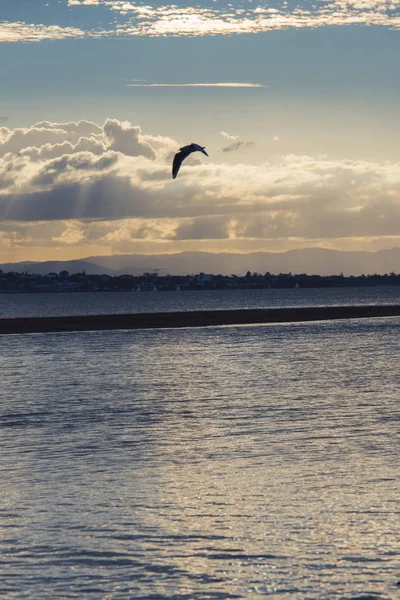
column 80, row 303
column 236, row 462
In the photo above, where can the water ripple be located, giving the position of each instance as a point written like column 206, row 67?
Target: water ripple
column 238, row 462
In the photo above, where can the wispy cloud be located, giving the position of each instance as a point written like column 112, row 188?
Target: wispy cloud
column 173, row 20
column 84, row 2
column 28, row 32
column 195, row 21
column 228, row 136
column 236, row 146
column 3, row 120
column 207, row 85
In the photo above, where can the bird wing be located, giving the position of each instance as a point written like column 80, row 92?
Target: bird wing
column 188, row 149
column 176, row 165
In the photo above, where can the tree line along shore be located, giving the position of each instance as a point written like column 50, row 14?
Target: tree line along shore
column 14, row 282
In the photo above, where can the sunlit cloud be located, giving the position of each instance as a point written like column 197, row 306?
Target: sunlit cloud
column 84, row 2
column 234, row 146
column 84, row 184
column 73, row 234
column 28, row 32
column 196, row 21
column 173, row 20
column 228, row 136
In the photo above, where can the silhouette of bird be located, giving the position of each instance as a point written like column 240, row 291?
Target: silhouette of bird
column 182, row 154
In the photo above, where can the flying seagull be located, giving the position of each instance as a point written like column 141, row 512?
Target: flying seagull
column 182, row 154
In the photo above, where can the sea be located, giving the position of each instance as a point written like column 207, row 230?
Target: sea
column 203, row 463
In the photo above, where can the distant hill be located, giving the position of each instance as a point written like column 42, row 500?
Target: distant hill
column 317, row 261
column 313, row 261
column 55, row 266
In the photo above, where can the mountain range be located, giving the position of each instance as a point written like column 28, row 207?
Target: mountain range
column 313, row 261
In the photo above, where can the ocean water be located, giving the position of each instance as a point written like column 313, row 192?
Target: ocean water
column 231, row 462
column 81, row 303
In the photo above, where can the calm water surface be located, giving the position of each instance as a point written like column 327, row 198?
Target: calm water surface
column 80, row 303
column 233, row 462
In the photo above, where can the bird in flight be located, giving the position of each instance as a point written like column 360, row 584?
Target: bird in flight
column 182, row 154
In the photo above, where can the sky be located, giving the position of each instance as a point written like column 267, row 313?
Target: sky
column 296, row 103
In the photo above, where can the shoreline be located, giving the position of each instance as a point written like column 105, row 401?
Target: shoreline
column 203, row 318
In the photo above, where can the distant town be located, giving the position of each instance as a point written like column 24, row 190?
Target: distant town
column 13, row 282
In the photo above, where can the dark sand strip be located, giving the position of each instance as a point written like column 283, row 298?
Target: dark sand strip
column 193, row 319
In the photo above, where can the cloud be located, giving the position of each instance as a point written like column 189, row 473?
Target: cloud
column 124, row 138
column 228, row 136
column 200, row 228
column 174, row 20
column 237, row 146
column 233, row 147
column 141, row 229
column 84, row 2
column 73, row 234
column 68, row 169
column 78, row 128
column 196, row 21
column 29, row 32
column 14, row 140
column 45, row 140
column 113, row 187
column 49, row 151
column 207, row 85
column 3, row 120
